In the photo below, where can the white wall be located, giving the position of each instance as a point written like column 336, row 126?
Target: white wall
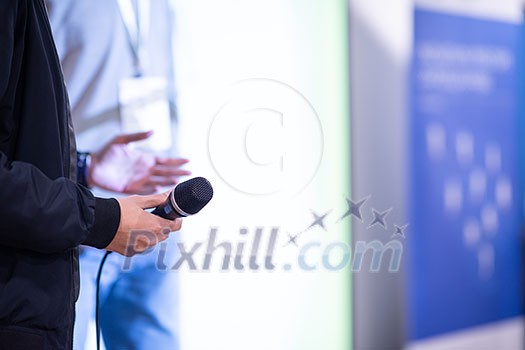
column 220, row 46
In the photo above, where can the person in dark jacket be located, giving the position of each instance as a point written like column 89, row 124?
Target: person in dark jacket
column 44, row 214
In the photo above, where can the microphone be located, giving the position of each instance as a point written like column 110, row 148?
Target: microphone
column 187, row 198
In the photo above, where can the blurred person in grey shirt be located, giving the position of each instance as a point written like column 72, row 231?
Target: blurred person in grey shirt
column 110, row 51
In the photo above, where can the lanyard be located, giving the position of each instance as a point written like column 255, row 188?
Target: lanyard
column 136, row 19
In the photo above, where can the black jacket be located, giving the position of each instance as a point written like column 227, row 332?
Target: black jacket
column 44, row 214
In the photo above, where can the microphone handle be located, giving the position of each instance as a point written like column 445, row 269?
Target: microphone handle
column 167, row 211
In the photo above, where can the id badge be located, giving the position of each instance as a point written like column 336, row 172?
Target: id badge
column 144, row 106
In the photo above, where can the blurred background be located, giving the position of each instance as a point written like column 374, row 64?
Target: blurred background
column 372, row 150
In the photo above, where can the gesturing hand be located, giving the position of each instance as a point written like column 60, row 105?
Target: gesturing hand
column 120, row 168
column 139, row 230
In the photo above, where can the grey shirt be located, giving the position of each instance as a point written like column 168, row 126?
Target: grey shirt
column 95, row 53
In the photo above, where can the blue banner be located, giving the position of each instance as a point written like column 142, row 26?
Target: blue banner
column 465, row 219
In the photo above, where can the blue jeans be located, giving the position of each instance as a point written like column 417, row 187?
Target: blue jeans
column 138, row 301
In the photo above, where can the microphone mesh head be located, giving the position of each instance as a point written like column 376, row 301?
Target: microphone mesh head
column 192, row 195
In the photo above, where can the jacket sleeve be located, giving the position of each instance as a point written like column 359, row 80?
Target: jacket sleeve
column 50, row 216
column 37, row 213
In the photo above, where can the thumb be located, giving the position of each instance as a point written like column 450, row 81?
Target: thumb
column 128, row 138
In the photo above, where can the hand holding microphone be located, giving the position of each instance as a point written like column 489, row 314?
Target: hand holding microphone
column 139, row 230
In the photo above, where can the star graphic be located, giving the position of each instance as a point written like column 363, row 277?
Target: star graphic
column 318, row 220
column 379, row 218
column 400, row 231
column 292, row 239
column 354, row 209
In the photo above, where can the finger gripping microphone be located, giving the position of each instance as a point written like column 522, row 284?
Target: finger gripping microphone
column 187, row 198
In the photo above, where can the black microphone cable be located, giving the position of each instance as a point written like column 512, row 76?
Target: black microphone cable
column 97, row 303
